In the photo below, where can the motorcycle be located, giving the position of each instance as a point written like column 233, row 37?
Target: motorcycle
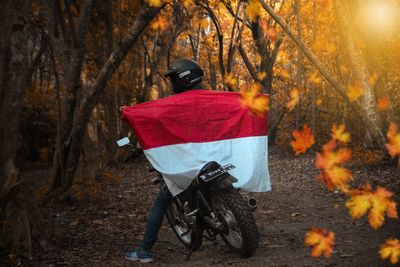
column 209, row 207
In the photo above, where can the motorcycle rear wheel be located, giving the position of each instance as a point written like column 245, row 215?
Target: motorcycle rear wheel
column 242, row 236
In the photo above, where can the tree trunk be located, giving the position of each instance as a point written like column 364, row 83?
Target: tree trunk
column 19, row 214
column 88, row 101
column 313, row 87
column 67, row 41
column 299, row 69
column 360, row 69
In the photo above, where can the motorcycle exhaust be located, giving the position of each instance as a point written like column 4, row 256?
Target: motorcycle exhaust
column 252, row 203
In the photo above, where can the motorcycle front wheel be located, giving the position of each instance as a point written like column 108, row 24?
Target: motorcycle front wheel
column 188, row 236
column 242, row 235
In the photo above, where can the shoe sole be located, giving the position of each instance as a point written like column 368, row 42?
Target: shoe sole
column 141, row 260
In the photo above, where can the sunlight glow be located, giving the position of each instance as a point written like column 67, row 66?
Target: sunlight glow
column 379, row 16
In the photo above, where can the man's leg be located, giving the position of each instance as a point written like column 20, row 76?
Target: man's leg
column 155, row 219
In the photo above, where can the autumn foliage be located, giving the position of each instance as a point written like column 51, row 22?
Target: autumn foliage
column 303, row 140
column 364, row 200
column 339, row 134
column 251, row 98
column 391, row 250
column 393, row 137
column 321, row 240
column 330, row 161
column 330, row 81
column 376, row 202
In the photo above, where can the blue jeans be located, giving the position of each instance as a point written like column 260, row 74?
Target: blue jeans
column 155, row 219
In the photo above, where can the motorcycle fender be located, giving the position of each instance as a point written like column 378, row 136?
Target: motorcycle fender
column 225, row 181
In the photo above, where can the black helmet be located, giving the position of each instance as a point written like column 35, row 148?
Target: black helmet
column 184, row 75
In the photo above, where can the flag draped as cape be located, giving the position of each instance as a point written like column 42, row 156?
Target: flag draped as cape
column 181, row 133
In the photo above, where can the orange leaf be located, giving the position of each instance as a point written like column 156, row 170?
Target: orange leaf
column 318, row 102
column 204, row 23
column 373, row 79
column 284, row 9
column 391, row 249
column 154, row 3
column 339, row 134
column 284, row 73
column 303, row 140
column 294, row 99
column 322, row 45
column 261, row 75
column 329, row 160
column 321, row 240
column 257, row 103
column 230, row 79
column 188, row 3
column 272, row 34
column 344, row 69
column 377, row 203
column 323, row 3
column 354, row 91
column 253, row 10
column 315, row 78
column 393, row 136
column 159, row 24
column 383, row 103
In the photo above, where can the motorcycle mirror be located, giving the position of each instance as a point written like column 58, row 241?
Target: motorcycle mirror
column 123, row 142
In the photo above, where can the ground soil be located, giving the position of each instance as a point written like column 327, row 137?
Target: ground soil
column 95, row 230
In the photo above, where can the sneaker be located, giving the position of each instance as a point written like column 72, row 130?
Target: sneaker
column 138, row 255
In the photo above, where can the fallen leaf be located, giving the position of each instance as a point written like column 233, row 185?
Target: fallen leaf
column 339, row 134
column 321, row 240
column 329, row 160
column 257, row 103
column 391, row 249
column 393, row 137
column 303, row 140
column 376, row 202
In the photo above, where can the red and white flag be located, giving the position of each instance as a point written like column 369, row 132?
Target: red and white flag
column 181, row 133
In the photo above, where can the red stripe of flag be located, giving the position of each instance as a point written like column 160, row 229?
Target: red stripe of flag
column 194, row 116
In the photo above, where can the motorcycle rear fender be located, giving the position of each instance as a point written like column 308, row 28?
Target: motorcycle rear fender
column 225, row 181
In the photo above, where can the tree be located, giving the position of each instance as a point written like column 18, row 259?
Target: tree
column 78, row 109
column 362, row 112
column 19, row 214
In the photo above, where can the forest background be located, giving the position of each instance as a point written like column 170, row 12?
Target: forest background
column 330, row 68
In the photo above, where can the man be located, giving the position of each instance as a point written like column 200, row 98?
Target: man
column 185, row 75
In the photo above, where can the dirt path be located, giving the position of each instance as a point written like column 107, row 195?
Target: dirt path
column 97, row 232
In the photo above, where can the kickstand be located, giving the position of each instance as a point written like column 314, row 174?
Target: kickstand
column 192, row 249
